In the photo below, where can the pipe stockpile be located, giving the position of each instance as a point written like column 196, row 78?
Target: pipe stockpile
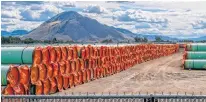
column 16, row 55
column 56, row 68
column 194, row 56
column 196, row 47
column 195, row 64
column 16, row 79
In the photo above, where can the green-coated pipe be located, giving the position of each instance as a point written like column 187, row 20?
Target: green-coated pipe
column 17, row 55
column 196, row 47
column 4, row 70
column 195, row 64
column 195, row 55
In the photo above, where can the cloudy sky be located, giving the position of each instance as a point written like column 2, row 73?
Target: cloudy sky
column 174, row 19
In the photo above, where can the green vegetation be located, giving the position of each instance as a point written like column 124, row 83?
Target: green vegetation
column 186, row 41
column 5, row 40
column 139, row 39
column 17, row 40
column 202, row 41
column 107, row 41
column 158, row 39
column 28, row 40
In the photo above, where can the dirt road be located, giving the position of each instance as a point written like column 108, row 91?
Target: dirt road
column 160, row 75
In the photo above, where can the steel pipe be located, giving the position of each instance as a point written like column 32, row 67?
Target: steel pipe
column 17, row 55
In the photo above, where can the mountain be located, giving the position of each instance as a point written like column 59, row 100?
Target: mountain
column 150, row 37
column 198, row 39
column 5, row 33
column 126, row 32
column 20, row 32
column 14, row 33
column 71, row 25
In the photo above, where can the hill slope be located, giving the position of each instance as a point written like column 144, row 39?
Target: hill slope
column 198, row 39
column 73, row 26
column 14, row 33
column 150, row 37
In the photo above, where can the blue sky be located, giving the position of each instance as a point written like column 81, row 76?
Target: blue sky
column 174, row 19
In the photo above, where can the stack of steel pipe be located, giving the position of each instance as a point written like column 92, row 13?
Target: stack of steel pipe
column 194, row 56
column 55, row 68
column 15, row 71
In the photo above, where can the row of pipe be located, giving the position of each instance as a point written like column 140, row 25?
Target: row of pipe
column 16, row 79
column 195, row 47
column 194, row 56
column 56, row 68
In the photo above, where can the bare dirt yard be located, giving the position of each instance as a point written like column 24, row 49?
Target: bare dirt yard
column 160, row 75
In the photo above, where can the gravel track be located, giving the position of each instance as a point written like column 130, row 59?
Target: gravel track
column 164, row 74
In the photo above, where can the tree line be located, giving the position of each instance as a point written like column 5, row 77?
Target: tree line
column 144, row 39
column 16, row 40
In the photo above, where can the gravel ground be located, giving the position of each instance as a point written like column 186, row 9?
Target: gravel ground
column 156, row 76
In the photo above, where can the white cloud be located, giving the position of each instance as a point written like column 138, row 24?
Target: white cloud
column 8, row 3
column 142, row 25
column 52, row 8
column 95, row 9
column 139, row 16
column 10, row 14
column 14, row 24
column 49, row 11
column 26, row 17
column 10, row 21
column 176, row 19
column 24, row 25
column 40, row 12
column 106, row 5
column 36, row 7
column 201, row 24
column 61, row 3
column 30, row 15
column 177, row 23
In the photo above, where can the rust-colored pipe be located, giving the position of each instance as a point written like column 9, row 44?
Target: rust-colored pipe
column 24, row 76
column 45, row 55
column 62, row 67
column 59, row 54
column 8, row 90
column 71, row 80
column 34, row 74
column 70, row 53
column 60, row 80
column 65, row 81
column 64, row 53
column 52, row 53
column 47, row 86
column 50, row 70
column 68, row 67
column 13, row 75
column 42, row 72
column 56, row 69
column 53, row 85
column 19, row 89
column 37, row 56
